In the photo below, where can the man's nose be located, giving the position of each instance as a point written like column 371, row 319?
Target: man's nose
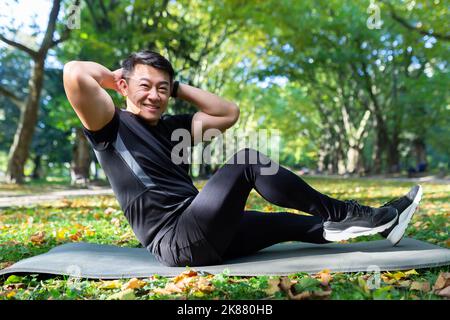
column 153, row 94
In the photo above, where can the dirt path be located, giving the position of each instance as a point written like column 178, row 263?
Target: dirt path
column 25, row 200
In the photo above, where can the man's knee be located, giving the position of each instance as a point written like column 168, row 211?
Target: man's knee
column 252, row 156
column 247, row 156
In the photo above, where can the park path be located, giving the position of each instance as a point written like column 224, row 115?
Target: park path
column 24, row 200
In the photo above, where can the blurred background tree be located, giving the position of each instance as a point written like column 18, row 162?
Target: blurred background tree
column 348, row 94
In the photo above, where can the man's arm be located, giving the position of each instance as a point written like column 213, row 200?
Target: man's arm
column 84, row 83
column 215, row 112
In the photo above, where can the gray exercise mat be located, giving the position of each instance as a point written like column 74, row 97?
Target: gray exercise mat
column 96, row 261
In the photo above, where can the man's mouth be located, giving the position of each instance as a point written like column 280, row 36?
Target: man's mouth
column 151, row 107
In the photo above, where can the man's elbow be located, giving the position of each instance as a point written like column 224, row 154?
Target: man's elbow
column 235, row 113
column 70, row 67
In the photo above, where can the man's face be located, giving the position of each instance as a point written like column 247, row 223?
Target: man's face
column 148, row 92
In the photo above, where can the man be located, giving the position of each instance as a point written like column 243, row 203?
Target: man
column 169, row 216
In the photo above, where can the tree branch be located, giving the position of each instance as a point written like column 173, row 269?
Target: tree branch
column 409, row 26
column 66, row 32
column 51, row 25
column 14, row 99
column 19, row 46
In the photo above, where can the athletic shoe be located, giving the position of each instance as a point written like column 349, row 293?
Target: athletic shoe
column 406, row 206
column 360, row 221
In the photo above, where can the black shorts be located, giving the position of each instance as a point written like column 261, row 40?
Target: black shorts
column 185, row 245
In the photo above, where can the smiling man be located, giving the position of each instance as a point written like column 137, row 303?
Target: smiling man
column 169, row 216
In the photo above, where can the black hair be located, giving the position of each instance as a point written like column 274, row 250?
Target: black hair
column 147, row 57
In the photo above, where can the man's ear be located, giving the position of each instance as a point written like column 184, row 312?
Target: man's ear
column 122, row 87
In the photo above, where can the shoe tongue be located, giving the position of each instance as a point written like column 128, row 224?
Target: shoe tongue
column 402, row 203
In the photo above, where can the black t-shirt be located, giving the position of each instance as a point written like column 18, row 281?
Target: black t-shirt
column 151, row 189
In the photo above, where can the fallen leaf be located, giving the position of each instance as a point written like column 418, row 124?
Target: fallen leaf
column 61, row 234
column 185, row 274
column 113, row 284
column 325, row 277
column 168, row 289
column 203, row 285
column 405, row 283
column 444, row 292
column 420, row 286
column 115, row 222
column 6, row 264
column 134, row 284
column 273, row 286
column 76, row 236
column 411, row 272
column 442, row 281
column 127, row 294
column 14, row 286
column 38, row 238
column 286, row 283
column 108, row 211
column 417, row 224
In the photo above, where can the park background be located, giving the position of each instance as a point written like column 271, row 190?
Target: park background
column 357, row 89
column 354, row 87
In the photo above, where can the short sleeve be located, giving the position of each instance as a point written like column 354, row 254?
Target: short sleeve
column 179, row 121
column 100, row 139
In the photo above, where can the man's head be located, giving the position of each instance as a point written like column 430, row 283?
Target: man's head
column 147, row 84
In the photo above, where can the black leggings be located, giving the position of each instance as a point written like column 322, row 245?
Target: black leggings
column 216, row 225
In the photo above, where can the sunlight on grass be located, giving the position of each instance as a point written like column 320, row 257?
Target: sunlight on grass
column 28, row 231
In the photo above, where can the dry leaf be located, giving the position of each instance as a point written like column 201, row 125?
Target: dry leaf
column 184, row 274
column 273, row 286
column 115, row 222
column 286, row 283
column 38, row 238
column 134, row 284
column 325, row 277
column 204, row 285
column 442, row 281
column 168, row 289
column 420, row 286
column 113, row 284
column 444, row 292
column 411, row 272
column 76, row 236
column 405, row 283
column 108, row 211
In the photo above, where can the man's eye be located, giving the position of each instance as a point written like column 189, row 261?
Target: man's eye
column 163, row 89
column 144, row 85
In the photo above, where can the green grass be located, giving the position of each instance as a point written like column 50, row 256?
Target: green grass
column 100, row 220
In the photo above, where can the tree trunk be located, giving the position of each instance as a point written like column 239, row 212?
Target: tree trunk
column 37, row 171
column 19, row 150
column 393, row 156
column 420, row 152
column 81, row 160
column 18, row 153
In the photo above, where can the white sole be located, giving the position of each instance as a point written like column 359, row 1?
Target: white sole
column 397, row 233
column 354, row 232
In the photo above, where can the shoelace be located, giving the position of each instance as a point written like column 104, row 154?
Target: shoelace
column 358, row 208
